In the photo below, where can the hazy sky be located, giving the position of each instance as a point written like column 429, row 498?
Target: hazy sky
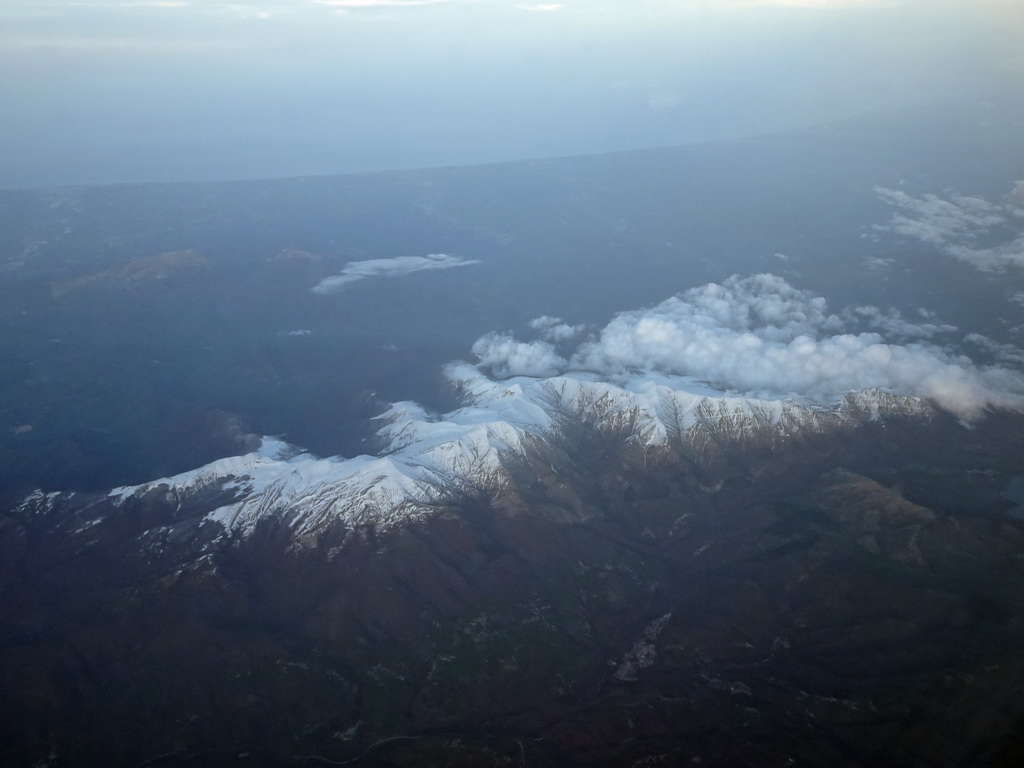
column 103, row 90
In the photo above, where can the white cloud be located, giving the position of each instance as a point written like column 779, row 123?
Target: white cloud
column 957, row 223
column 876, row 264
column 541, row 7
column 401, row 265
column 893, row 323
column 555, row 329
column 1005, row 352
column 507, row 357
column 761, row 336
column 934, row 220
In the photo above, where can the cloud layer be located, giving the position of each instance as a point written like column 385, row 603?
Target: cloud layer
column 507, row 357
column 401, row 265
column 555, row 329
column 761, row 336
column 988, row 235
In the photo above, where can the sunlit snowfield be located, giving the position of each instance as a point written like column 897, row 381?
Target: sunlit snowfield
column 123, row 364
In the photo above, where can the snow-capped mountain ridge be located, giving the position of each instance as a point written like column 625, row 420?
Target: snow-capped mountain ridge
column 425, row 451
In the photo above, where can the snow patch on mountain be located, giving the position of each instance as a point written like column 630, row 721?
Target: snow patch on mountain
column 751, row 363
column 425, row 453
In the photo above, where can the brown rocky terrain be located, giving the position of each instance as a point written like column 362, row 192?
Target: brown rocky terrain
column 133, row 274
column 853, row 602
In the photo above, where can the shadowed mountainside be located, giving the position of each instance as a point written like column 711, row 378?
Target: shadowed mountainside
column 610, row 606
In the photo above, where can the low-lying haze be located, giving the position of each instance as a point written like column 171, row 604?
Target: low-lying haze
column 109, row 91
